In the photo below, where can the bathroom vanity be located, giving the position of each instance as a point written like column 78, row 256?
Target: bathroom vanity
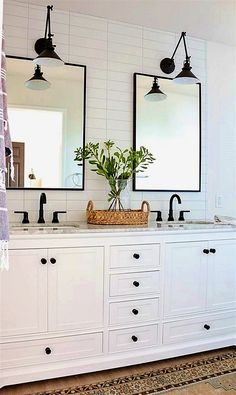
column 87, row 298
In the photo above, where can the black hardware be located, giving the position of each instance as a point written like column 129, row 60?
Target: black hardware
column 53, row 260
column 43, row 261
column 55, row 219
column 134, row 338
column 42, row 201
column 170, row 216
column 48, row 350
column 136, row 283
column 136, row 256
column 181, row 214
column 25, row 219
column 135, row 311
column 206, row 251
column 158, row 218
column 213, row 250
column 207, row 327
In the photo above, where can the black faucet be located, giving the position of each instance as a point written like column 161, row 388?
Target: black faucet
column 42, row 201
column 170, row 216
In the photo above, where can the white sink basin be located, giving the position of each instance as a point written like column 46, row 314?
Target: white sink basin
column 41, row 228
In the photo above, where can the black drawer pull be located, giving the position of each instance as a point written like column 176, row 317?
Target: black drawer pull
column 136, row 256
column 53, row 260
column 213, row 250
column 207, row 327
column 43, row 261
column 206, row 251
column 134, row 338
column 48, row 350
column 136, row 283
column 135, row 311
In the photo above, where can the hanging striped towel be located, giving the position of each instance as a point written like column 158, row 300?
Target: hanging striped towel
column 5, row 150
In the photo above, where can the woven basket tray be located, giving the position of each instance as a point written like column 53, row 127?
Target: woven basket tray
column 126, row 217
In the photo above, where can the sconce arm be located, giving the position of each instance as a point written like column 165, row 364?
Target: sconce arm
column 183, row 34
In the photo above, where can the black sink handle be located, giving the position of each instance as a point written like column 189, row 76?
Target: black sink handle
column 55, row 219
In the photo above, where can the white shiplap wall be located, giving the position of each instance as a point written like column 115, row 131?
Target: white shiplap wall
column 112, row 52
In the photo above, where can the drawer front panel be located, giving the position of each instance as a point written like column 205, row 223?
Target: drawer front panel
column 50, row 350
column 135, row 256
column 134, row 283
column 142, row 310
column 187, row 330
column 133, row 338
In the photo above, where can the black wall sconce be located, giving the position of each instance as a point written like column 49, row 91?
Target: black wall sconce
column 155, row 94
column 168, row 66
column 45, row 48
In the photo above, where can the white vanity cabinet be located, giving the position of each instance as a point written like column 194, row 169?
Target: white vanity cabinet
column 199, row 276
column 107, row 298
column 52, row 290
column 24, row 294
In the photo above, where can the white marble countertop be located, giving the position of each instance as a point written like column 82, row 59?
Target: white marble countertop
column 82, row 228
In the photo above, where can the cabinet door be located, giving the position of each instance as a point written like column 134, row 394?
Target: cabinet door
column 185, row 278
column 75, row 288
column 221, row 287
column 24, row 293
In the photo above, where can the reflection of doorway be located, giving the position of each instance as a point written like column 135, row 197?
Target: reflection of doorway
column 19, row 166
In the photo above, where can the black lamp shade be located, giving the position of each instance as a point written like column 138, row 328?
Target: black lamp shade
column 186, row 77
column 37, row 82
column 155, row 94
column 48, row 56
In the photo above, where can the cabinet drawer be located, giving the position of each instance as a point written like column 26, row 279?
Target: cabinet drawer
column 200, row 328
column 134, row 311
column 135, row 256
column 64, row 348
column 134, row 283
column 133, row 338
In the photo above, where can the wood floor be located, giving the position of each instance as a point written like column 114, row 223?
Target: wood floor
column 196, row 389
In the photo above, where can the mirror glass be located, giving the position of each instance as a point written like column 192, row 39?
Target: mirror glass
column 170, row 129
column 46, row 125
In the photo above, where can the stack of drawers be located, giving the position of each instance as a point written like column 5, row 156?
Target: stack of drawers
column 134, row 296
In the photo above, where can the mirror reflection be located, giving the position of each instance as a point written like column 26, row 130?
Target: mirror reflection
column 170, row 129
column 46, row 125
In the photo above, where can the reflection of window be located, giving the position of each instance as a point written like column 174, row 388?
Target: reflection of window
column 41, row 131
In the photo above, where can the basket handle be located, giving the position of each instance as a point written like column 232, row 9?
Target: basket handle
column 145, row 203
column 89, row 205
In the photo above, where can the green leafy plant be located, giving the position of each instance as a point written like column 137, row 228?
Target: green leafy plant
column 116, row 165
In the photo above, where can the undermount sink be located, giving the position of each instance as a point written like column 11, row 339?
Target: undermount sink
column 41, row 227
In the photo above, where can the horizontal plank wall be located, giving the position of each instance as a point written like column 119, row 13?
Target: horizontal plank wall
column 112, row 52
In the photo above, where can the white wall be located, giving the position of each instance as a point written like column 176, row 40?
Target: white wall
column 113, row 52
column 221, row 142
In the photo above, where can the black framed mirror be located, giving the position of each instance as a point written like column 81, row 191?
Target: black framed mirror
column 171, row 130
column 47, row 123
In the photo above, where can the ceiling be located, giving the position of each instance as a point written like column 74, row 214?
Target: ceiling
column 213, row 20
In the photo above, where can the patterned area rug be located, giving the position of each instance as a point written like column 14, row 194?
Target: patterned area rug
column 163, row 380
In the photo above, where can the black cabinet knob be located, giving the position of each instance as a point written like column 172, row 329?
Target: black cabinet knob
column 207, row 327
column 48, row 350
column 136, row 256
column 43, row 261
column 213, row 250
column 136, row 283
column 206, row 251
column 135, row 311
column 134, row 338
column 52, row 260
